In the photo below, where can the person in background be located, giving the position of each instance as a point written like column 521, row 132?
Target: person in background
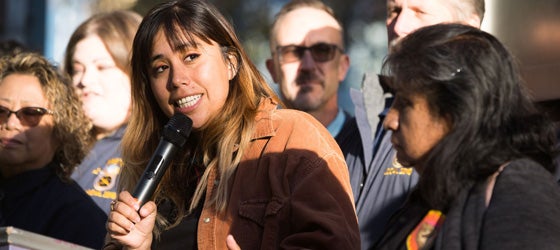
column 43, row 137
column 250, row 175
column 308, row 63
column 97, row 58
column 463, row 119
column 383, row 182
column 405, row 16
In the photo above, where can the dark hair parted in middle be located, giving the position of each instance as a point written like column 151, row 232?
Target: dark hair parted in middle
column 470, row 78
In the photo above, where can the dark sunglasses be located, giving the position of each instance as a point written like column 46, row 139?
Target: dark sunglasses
column 28, row 116
column 321, row 52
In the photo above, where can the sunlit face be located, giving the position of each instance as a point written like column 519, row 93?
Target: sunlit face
column 405, row 16
column 307, row 84
column 189, row 80
column 415, row 129
column 24, row 148
column 103, row 87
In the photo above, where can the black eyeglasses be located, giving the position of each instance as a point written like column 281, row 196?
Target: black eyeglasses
column 28, row 116
column 321, row 52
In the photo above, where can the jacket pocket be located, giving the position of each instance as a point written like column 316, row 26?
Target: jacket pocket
column 257, row 210
column 259, row 223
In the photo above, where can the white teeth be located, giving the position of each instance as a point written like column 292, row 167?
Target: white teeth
column 188, row 101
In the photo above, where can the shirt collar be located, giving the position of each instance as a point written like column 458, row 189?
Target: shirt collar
column 336, row 125
column 388, row 104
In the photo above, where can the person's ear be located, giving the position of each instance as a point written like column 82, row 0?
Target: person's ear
column 233, row 66
column 272, row 69
column 473, row 20
column 343, row 66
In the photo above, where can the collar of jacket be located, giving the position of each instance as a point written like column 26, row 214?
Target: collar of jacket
column 264, row 126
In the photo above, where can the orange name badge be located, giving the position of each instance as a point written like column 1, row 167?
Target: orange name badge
column 424, row 231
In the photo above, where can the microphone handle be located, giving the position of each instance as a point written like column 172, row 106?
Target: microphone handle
column 154, row 172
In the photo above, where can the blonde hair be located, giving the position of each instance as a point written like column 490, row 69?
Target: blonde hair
column 116, row 29
column 71, row 126
column 220, row 144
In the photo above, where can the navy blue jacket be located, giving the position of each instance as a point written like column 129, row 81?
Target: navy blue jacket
column 379, row 183
column 39, row 201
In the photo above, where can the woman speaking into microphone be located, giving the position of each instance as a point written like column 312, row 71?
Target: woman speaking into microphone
column 269, row 177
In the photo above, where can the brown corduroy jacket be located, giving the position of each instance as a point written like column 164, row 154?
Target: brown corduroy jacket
column 290, row 191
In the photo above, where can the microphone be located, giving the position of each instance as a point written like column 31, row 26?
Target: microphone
column 174, row 136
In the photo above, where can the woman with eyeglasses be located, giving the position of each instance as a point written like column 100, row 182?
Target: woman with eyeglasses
column 43, row 137
column 250, row 175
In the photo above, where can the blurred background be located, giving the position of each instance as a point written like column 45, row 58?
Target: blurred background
column 531, row 29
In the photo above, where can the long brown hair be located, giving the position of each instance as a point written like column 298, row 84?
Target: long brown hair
column 116, row 29
column 220, row 143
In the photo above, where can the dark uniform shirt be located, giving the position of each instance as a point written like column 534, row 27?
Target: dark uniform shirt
column 379, row 183
column 38, row 201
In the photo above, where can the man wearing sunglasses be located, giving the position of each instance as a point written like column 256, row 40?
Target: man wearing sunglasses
column 308, row 63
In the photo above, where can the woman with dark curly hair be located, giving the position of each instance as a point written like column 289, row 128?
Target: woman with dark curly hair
column 44, row 135
column 462, row 118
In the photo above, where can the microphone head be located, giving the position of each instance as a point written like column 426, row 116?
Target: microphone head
column 177, row 130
